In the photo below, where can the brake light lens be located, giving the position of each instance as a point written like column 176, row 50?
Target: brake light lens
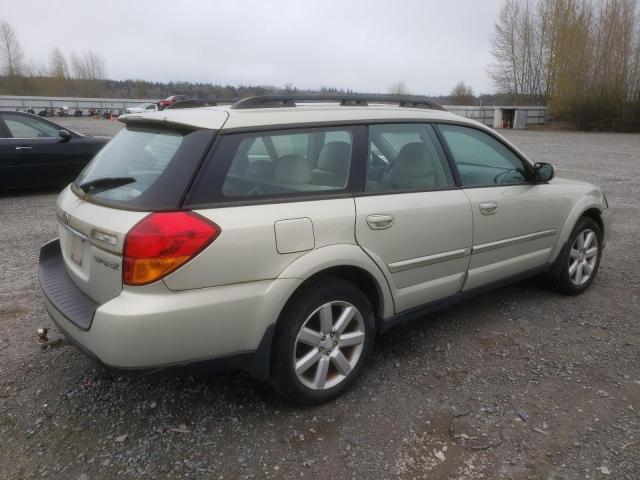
column 162, row 242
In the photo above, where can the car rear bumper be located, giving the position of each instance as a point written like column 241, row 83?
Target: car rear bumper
column 153, row 327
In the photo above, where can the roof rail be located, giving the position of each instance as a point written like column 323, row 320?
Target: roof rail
column 347, row 100
column 194, row 103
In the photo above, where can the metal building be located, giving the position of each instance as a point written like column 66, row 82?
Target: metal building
column 517, row 117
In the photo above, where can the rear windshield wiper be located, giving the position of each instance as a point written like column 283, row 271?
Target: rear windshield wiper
column 106, row 183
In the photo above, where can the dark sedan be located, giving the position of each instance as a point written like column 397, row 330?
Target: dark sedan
column 35, row 152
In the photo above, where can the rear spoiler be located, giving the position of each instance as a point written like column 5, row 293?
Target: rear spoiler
column 141, row 121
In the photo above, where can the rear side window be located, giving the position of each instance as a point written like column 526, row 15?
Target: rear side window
column 481, row 159
column 145, row 167
column 277, row 164
column 406, row 157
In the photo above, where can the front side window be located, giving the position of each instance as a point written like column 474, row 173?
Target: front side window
column 406, row 157
column 481, row 159
column 282, row 163
column 28, row 127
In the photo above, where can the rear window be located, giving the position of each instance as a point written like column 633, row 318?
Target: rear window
column 144, row 167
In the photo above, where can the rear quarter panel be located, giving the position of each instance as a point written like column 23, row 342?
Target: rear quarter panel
column 246, row 249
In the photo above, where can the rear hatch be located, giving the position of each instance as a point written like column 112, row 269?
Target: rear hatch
column 147, row 167
column 91, row 241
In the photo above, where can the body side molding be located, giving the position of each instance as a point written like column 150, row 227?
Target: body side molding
column 428, row 260
column 485, row 247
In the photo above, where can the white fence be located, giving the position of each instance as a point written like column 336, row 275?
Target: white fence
column 23, row 103
column 488, row 115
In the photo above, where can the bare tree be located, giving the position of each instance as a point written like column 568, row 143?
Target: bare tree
column 11, row 56
column 95, row 65
column 78, row 69
column 462, row 95
column 520, row 47
column 634, row 70
column 58, row 67
column 89, row 65
column 505, row 71
column 582, row 57
column 399, row 88
column 34, row 69
column 89, row 69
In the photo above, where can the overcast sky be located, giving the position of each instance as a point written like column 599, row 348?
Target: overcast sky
column 363, row 45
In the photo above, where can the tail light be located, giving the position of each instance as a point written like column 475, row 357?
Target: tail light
column 162, row 242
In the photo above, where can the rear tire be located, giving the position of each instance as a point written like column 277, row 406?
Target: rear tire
column 322, row 341
column 579, row 262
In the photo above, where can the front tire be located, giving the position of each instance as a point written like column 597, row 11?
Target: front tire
column 322, row 341
column 581, row 259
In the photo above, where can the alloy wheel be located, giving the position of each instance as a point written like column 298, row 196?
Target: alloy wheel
column 329, row 345
column 583, row 256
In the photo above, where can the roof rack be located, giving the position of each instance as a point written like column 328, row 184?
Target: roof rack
column 275, row 101
column 211, row 102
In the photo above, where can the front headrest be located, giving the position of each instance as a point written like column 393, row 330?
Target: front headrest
column 293, row 169
column 414, row 159
column 335, row 157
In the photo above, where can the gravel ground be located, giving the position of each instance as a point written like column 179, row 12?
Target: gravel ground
column 521, row 383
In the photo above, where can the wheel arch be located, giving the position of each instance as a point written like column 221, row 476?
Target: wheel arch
column 596, row 215
column 350, row 263
column 344, row 261
column 352, row 274
column 587, row 206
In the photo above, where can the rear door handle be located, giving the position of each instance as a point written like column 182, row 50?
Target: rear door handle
column 24, row 149
column 379, row 222
column 488, row 208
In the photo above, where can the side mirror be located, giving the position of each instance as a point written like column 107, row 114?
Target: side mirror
column 544, row 171
column 64, row 135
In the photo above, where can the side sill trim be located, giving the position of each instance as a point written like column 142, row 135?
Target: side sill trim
column 428, row 260
column 485, row 247
column 423, row 310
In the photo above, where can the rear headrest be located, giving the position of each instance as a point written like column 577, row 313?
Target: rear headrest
column 335, row 157
column 414, row 159
column 261, row 169
column 240, row 163
column 293, row 169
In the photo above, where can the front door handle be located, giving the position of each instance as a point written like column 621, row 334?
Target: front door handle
column 488, row 208
column 24, row 148
column 379, row 222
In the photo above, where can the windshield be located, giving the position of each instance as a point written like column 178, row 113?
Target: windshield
column 139, row 154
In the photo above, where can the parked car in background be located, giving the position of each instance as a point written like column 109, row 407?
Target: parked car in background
column 171, row 100
column 35, row 152
column 282, row 238
column 145, row 107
